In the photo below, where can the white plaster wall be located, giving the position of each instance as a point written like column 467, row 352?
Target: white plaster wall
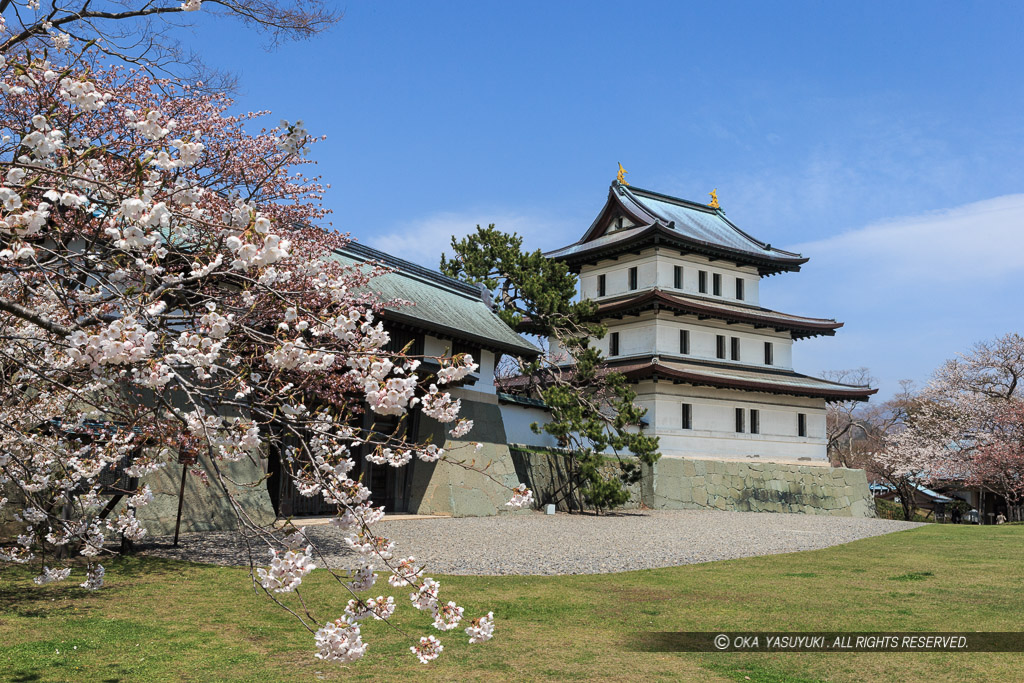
column 517, row 421
column 486, row 373
column 617, row 275
column 714, row 423
column 658, row 333
column 655, row 268
column 434, row 346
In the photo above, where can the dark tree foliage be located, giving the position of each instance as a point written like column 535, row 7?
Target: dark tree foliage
column 592, row 409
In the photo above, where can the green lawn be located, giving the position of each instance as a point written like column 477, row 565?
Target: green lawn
column 160, row 620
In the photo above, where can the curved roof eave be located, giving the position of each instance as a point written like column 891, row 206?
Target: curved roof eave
column 657, row 233
column 832, row 393
column 800, row 326
column 650, row 224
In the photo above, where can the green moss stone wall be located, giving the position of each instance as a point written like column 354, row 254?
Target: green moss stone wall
column 444, row 488
column 681, row 484
column 206, row 508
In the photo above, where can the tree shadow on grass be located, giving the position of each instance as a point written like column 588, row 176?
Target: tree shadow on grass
column 20, row 597
column 27, row 600
column 134, row 566
column 28, row 675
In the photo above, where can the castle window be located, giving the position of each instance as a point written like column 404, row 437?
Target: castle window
column 684, row 342
column 702, row 281
column 769, row 353
column 687, row 416
column 613, row 344
column 801, row 424
column 601, row 285
column 632, row 278
column 735, row 348
column 755, row 421
column 720, row 339
column 739, row 288
column 716, row 283
column 677, row 279
column 739, row 420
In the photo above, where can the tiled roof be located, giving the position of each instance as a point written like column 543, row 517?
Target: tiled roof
column 736, row 312
column 519, row 399
column 661, row 219
column 440, row 304
column 775, row 381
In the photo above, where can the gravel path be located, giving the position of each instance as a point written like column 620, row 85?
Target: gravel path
column 569, row 544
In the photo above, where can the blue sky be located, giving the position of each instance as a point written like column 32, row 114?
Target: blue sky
column 882, row 140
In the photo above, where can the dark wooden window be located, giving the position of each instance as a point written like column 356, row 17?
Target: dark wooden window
column 404, row 339
column 739, row 288
column 735, row 348
column 702, row 281
column 601, row 285
column 801, row 424
column 677, row 277
column 720, row 343
column 632, row 278
column 769, row 353
column 739, row 420
column 716, row 283
column 687, row 416
column 613, row 344
column 684, row 341
column 755, row 421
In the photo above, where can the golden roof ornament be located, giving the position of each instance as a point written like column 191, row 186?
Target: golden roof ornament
column 621, row 177
column 714, row 199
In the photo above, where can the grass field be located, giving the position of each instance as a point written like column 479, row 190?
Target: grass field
column 161, row 620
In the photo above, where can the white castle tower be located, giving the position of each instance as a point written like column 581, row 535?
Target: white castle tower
column 677, row 284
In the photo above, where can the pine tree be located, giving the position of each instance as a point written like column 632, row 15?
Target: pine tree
column 592, row 409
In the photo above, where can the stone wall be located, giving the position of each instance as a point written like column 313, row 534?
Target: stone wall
column 680, row 484
column 545, row 472
column 205, row 507
column 448, row 489
column 444, row 488
column 688, row 484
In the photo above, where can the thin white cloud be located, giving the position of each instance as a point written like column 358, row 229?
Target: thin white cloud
column 984, row 239
column 424, row 240
column 913, row 291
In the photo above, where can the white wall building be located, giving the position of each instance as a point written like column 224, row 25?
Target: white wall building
column 678, row 286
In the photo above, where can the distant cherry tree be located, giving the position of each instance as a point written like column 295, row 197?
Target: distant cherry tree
column 966, row 423
column 997, row 466
column 858, row 434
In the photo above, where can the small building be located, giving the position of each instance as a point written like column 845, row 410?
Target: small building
column 924, row 498
column 441, row 316
column 678, row 286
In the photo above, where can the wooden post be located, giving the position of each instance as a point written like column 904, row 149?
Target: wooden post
column 181, row 503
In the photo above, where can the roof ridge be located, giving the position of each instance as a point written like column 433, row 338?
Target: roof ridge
column 690, row 204
column 410, row 268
